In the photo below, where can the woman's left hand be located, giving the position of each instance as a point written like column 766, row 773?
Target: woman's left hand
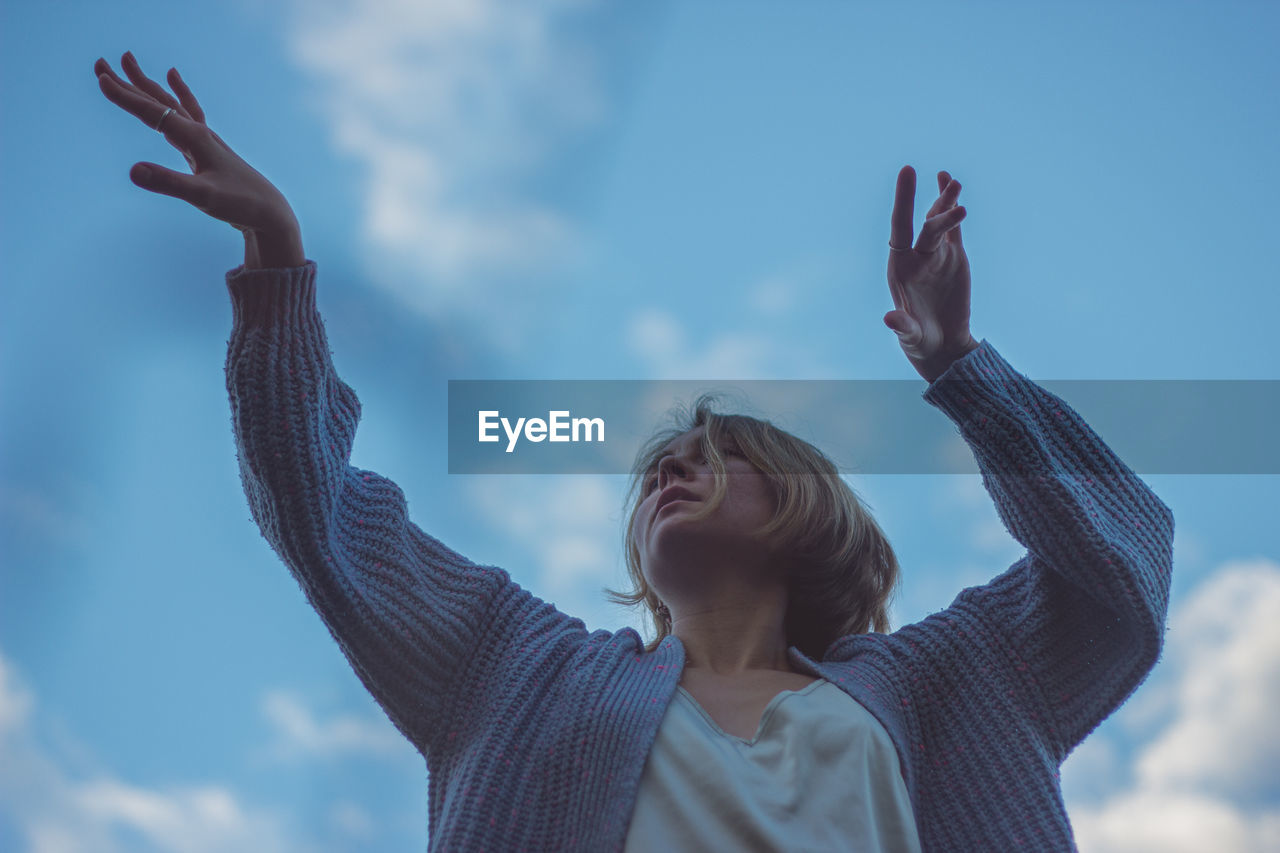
column 930, row 281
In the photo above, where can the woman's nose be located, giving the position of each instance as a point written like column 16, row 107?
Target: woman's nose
column 669, row 468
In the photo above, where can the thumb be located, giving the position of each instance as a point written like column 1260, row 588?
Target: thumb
column 901, row 324
column 158, row 179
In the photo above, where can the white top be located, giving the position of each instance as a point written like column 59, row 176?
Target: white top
column 821, row 774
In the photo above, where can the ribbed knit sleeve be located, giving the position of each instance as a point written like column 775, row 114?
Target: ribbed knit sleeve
column 1074, row 627
column 405, row 609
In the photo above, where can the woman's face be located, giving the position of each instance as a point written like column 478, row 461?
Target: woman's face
column 665, row 533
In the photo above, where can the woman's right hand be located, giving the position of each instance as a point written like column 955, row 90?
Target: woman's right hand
column 221, row 184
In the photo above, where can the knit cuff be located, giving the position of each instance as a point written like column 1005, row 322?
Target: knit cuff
column 979, row 382
column 267, row 297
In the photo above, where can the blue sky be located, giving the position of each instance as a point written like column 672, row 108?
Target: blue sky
column 554, row 190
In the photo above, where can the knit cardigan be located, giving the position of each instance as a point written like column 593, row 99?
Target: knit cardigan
column 536, row 732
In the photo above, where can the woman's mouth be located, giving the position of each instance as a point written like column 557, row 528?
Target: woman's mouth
column 673, row 494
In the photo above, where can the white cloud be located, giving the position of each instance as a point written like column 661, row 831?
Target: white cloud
column 184, row 820
column 1209, row 780
column 57, row 809
column 668, row 348
column 1094, row 771
column 773, row 296
column 301, row 735
column 660, row 342
column 1227, row 641
column 572, row 558
column 987, row 535
column 1189, row 549
column 15, row 703
column 569, row 524
column 653, row 333
column 351, row 820
column 449, row 105
column 28, row 506
column 1144, row 821
column 966, row 492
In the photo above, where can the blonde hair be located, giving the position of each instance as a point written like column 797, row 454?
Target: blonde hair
column 842, row 571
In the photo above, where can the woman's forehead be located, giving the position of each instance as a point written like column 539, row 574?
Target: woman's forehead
column 683, row 441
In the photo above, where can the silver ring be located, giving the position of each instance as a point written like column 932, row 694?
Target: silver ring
column 893, row 248
column 163, row 116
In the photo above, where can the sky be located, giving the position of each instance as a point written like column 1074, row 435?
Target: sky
column 589, row 190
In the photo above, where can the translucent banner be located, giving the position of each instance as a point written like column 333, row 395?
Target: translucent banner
column 865, row 426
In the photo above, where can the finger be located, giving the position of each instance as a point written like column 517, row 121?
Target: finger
column 904, row 201
column 158, row 179
column 142, row 105
column 943, row 180
column 936, row 227
column 184, row 132
column 952, row 236
column 903, row 325
column 124, row 94
column 128, row 98
column 146, row 84
column 101, row 67
column 946, row 198
column 189, row 101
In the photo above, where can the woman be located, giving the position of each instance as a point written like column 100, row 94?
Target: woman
column 770, row 712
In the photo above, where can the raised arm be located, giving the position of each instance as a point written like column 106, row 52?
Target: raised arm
column 407, row 611
column 1079, row 621
column 416, row 620
column 1081, row 618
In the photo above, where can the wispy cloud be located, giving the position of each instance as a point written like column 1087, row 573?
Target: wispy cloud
column 662, row 345
column 449, row 107
column 352, row 821
column 773, row 295
column 988, row 537
column 31, row 509
column 1226, row 640
column 301, row 734
column 56, row 808
column 1209, row 780
column 569, row 524
column 671, row 345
